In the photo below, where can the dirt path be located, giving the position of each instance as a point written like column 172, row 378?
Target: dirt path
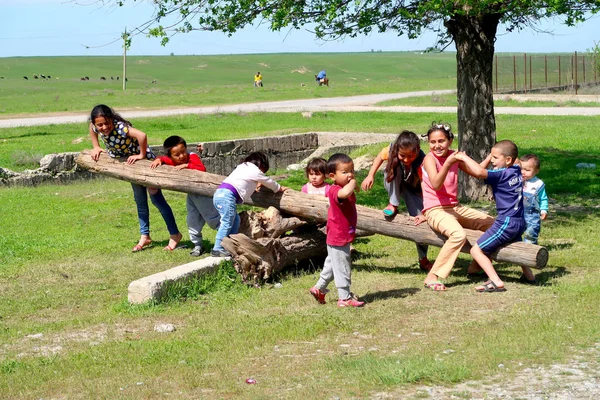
column 350, row 104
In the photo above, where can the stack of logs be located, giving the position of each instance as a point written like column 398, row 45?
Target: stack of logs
column 265, row 250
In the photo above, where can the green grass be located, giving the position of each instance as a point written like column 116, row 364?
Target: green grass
column 66, row 261
column 66, row 265
column 21, row 148
column 449, row 100
column 185, row 81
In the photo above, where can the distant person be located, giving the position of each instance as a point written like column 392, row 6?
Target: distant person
column 535, row 203
column 321, row 76
column 237, row 188
column 258, row 80
column 123, row 140
column 341, row 231
column 200, row 209
column 402, row 180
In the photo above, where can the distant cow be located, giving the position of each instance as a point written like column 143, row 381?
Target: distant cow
column 26, row 78
column 117, row 78
column 49, row 77
column 102, row 78
column 82, row 79
column 35, row 77
column 154, row 81
column 112, row 78
column 87, row 78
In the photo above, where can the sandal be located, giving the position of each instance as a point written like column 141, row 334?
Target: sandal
column 490, row 287
column 168, row 247
column 436, row 286
column 390, row 210
column 139, row 247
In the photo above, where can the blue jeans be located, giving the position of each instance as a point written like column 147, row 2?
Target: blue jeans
column 140, row 195
column 534, row 225
column 225, row 202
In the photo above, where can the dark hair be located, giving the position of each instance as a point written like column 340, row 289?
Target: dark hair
column 508, row 149
column 102, row 110
column 335, row 160
column 259, row 159
column 405, row 140
column 171, row 142
column 536, row 160
column 317, row 164
column 442, row 127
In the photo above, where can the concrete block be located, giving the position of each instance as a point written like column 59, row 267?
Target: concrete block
column 152, row 287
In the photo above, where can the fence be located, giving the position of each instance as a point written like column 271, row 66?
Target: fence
column 534, row 73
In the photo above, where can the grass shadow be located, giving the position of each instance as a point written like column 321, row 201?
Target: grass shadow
column 387, row 294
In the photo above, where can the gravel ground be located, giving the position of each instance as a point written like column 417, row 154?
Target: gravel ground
column 577, row 379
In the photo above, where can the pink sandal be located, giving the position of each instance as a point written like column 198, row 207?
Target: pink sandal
column 436, row 286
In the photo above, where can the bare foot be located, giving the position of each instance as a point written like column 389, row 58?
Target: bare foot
column 174, row 241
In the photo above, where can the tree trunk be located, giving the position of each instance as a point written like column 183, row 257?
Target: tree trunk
column 313, row 208
column 474, row 37
column 258, row 259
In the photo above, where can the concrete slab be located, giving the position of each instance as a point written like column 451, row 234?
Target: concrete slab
column 152, row 287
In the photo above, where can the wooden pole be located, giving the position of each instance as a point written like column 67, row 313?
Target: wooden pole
column 546, row 69
column 300, row 204
column 530, row 80
column 496, row 74
column 525, row 72
column 558, row 71
column 514, row 73
column 575, row 71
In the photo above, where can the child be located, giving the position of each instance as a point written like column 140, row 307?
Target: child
column 200, row 209
column 122, row 140
column 316, row 172
column 237, row 188
column 341, row 230
column 507, row 184
column 401, row 178
column 535, row 203
column 258, row 80
column 441, row 208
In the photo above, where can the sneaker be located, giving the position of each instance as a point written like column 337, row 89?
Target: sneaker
column 319, row 295
column 197, row 251
column 352, row 301
column 220, row 253
column 425, row 264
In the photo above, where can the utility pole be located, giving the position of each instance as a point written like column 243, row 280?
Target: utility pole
column 125, row 44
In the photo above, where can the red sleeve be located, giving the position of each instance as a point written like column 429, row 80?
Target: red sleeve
column 166, row 160
column 196, row 163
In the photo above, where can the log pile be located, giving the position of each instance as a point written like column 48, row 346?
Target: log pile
column 308, row 209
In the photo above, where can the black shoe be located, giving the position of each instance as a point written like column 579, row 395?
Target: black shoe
column 197, row 251
column 220, row 253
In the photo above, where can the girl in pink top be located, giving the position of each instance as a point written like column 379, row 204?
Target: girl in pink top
column 316, row 172
column 441, row 208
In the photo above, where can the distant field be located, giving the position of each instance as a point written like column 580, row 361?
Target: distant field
column 210, row 80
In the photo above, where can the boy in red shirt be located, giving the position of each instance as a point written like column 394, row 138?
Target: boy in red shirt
column 341, row 230
column 200, row 209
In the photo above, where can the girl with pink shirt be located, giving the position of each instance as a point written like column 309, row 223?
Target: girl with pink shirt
column 441, row 208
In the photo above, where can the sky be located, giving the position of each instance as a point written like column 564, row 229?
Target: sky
column 86, row 27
